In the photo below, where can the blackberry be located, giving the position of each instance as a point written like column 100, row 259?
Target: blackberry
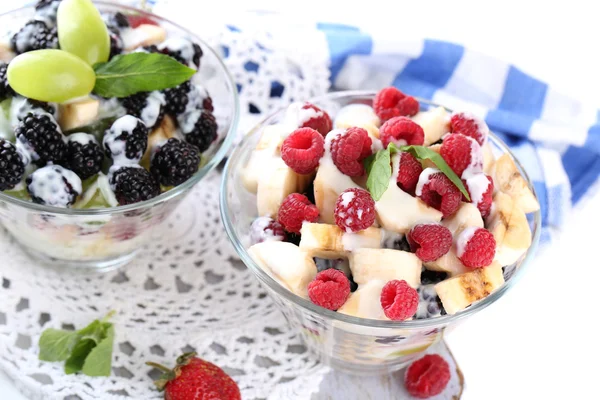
column 187, row 96
column 83, row 155
column 5, row 90
column 35, row 35
column 46, row 10
column 132, row 184
column 54, row 185
column 432, row 277
column 183, row 50
column 148, row 106
column 199, row 128
column 174, row 162
column 126, row 140
column 116, row 21
column 21, row 107
column 430, row 305
column 116, row 42
column 40, row 135
column 395, row 241
column 12, row 167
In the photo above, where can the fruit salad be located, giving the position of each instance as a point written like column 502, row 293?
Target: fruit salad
column 70, row 137
column 385, row 211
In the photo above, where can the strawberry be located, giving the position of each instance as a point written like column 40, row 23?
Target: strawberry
column 195, row 379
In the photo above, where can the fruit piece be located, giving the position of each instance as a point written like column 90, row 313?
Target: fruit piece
column 401, row 131
column 509, row 180
column 265, row 229
column 302, row 150
column 187, row 96
column 174, row 162
column 143, row 35
column 5, row 89
column 20, row 107
column 78, row 114
column 358, row 115
column 199, row 128
column 437, row 191
column 462, row 290
column 354, row 210
column 385, row 265
column 159, row 136
column 132, row 184
column 427, row 377
column 475, row 247
column 296, row 209
column 489, row 160
column 508, row 223
column 136, row 20
column 307, row 115
column 480, row 188
column 408, row 173
column 50, row 75
column 35, row 35
column 40, row 135
column 147, row 106
column 83, row 155
column 435, row 124
column 398, row 300
column 463, row 154
column 329, row 241
column 469, row 125
column 429, row 241
column 126, row 140
column 330, row 289
column 195, row 379
column 54, row 186
column 365, row 302
column 266, row 149
column 398, row 211
column 81, row 31
column 286, row 263
column 390, row 103
column 12, row 167
column 348, row 149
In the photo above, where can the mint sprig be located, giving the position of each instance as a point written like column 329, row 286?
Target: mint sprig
column 88, row 350
column 132, row 73
column 379, row 170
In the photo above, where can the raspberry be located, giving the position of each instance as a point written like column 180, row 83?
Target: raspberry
column 462, row 153
column 136, row 20
column 296, row 209
column 354, row 210
column 481, row 189
column 266, row 229
column 42, row 137
column 476, row 247
column 35, row 35
column 5, row 89
column 437, row 191
column 398, row 300
column 302, row 150
column 401, row 131
column 429, row 241
column 174, row 162
column 469, row 125
column 132, row 184
column 426, row 377
column 83, row 155
column 408, row 173
column 308, row 115
column 330, row 289
column 390, row 103
column 349, row 148
column 12, row 166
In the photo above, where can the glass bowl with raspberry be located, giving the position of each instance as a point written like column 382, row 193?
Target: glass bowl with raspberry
column 91, row 164
column 376, row 220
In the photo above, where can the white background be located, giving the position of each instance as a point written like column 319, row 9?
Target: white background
column 539, row 341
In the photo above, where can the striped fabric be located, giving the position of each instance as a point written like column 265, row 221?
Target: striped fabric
column 556, row 138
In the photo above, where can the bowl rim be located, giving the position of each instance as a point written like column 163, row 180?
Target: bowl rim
column 275, row 286
column 176, row 191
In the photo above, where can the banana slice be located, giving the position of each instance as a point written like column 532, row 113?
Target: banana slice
column 508, row 224
column 78, row 114
column 159, row 135
column 435, row 124
column 143, row 35
column 286, row 263
column 386, row 265
column 329, row 241
column 266, row 149
column 6, row 53
column 365, row 301
column 398, row 211
column 488, row 158
column 461, row 291
column 508, row 179
column 360, row 115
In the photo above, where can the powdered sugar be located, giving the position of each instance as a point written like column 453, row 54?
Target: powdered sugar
column 424, row 179
column 463, row 238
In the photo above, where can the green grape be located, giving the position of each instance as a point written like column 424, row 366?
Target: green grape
column 82, row 32
column 50, row 75
column 19, row 194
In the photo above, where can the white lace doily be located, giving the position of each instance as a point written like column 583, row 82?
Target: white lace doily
column 187, row 290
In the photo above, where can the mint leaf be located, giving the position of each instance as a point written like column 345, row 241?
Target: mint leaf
column 94, row 331
column 56, row 344
column 380, row 173
column 132, row 73
column 368, row 163
column 77, row 358
column 99, row 360
column 425, row 153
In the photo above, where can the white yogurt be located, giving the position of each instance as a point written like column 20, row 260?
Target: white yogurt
column 150, row 113
column 347, row 197
column 476, row 164
column 424, row 179
column 477, row 185
column 463, row 238
column 184, row 46
column 116, row 145
column 48, row 183
column 187, row 121
column 259, row 231
column 296, row 116
column 81, row 138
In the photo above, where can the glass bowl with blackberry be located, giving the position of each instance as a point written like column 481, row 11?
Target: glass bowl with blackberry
column 376, row 220
column 108, row 117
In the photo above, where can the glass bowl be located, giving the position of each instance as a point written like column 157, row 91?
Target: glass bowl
column 351, row 344
column 107, row 238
